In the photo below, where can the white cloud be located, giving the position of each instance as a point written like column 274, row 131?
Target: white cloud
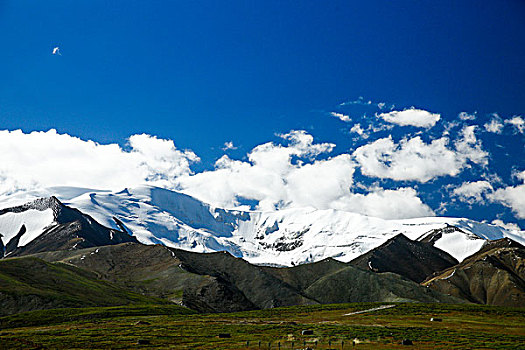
column 409, row 160
column 370, row 129
column 272, row 177
column 228, row 145
column 298, row 173
column 362, row 102
column 387, row 204
column 472, row 191
column 468, row 148
column 357, row 129
column 495, row 126
column 161, row 160
column 52, row 159
column 509, row 226
column 413, row 159
column 512, row 196
column 412, row 116
column 320, row 183
column 341, row 116
column 275, row 181
column 517, row 122
column 466, row 116
column 449, row 126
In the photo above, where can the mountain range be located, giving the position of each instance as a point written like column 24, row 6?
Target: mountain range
column 146, row 245
column 282, row 238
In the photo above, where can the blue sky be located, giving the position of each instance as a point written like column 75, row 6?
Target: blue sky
column 202, row 73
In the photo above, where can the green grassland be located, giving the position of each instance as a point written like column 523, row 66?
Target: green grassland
column 174, row 327
column 28, row 284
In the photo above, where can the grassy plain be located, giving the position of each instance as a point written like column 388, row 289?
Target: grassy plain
column 172, row 327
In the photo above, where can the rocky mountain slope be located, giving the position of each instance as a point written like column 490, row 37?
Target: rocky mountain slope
column 331, row 281
column 155, row 270
column 219, row 282
column 46, row 224
column 495, row 275
column 414, row 260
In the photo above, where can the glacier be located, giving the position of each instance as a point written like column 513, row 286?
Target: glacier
column 281, row 238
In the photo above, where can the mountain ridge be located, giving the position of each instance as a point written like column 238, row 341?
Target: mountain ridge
column 62, row 228
column 415, row 260
column 494, row 275
column 219, row 282
column 282, row 238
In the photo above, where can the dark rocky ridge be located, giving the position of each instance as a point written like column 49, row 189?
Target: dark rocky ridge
column 331, row 281
column 411, row 259
column 219, row 282
column 71, row 229
column 13, row 242
column 214, row 282
column 155, row 270
column 263, row 289
column 433, row 235
column 499, row 243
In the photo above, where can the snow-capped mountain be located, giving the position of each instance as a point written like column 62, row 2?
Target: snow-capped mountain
column 45, row 224
column 285, row 237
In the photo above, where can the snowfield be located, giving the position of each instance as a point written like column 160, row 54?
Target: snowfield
column 285, row 237
column 34, row 220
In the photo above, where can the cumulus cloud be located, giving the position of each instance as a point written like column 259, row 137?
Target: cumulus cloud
column 509, row 226
column 365, row 133
column 472, row 191
column 387, row 204
column 160, row 159
column 512, row 196
column 517, row 122
column 276, row 176
column 449, row 127
column 414, row 160
column 495, row 125
column 53, row 159
column 411, row 159
column 296, row 173
column 467, row 116
column 228, row 145
column 275, row 181
column 412, row 116
column 341, row 116
column 357, row 129
column 468, row 147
